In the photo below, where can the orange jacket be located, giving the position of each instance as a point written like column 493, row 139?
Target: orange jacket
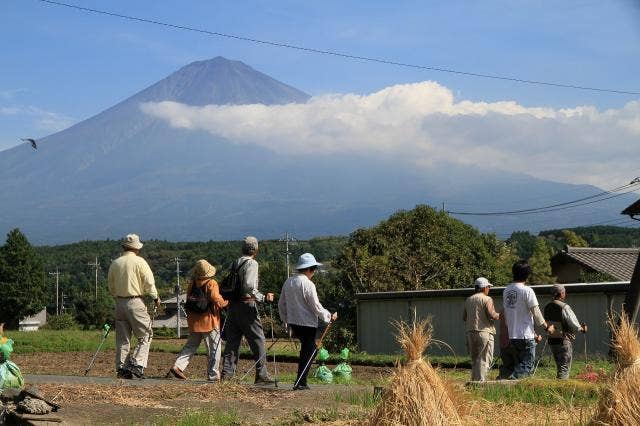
column 205, row 322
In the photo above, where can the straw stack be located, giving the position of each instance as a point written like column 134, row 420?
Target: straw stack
column 417, row 395
column 619, row 403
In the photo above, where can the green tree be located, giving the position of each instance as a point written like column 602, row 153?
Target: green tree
column 22, row 284
column 523, row 242
column 540, row 262
column 419, row 249
column 572, row 239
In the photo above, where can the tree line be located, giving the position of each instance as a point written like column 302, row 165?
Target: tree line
column 411, row 250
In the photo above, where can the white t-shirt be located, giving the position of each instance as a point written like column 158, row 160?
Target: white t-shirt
column 518, row 300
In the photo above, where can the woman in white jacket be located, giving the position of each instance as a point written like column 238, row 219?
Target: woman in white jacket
column 301, row 310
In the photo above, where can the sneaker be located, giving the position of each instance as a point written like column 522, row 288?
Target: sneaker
column 124, row 374
column 264, row 380
column 301, row 387
column 137, row 372
column 177, row 373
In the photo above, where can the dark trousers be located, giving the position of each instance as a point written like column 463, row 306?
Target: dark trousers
column 307, row 336
column 562, row 354
column 243, row 320
column 525, row 354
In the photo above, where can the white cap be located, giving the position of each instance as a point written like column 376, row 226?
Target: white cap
column 482, row 282
column 307, row 260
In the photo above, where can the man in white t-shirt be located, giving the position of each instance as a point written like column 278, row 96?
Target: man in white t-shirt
column 521, row 311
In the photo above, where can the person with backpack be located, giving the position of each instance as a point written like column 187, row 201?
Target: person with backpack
column 241, row 286
column 203, row 306
column 566, row 324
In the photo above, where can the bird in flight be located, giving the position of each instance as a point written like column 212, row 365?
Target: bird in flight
column 32, row 142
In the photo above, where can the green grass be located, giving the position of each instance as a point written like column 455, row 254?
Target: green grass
column 201, row 418
column 540, row 392
column 365, row 398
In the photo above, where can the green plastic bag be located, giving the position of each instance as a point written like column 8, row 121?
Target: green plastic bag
column 324, row 374
column 323, row 355
column 10, row 376
column 344, row 354
column 6, row 347
column 343, row 371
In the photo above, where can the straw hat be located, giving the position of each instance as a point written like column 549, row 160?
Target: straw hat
column 132, row 241
column 203, row 269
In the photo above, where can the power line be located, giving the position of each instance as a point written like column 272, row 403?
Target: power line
column 630, row 187
column 341, row 54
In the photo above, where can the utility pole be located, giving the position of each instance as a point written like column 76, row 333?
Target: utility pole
column 57, row 274
column 288, row 239
column 95, row 265
column 177, row 260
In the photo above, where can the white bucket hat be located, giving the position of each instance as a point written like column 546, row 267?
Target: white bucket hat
column 482, row 282
column 307, row 260
column 132, row 241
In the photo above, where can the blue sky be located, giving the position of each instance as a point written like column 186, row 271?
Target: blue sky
column 59, row 66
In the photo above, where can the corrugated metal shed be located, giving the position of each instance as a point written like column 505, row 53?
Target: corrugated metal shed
column 376, row 311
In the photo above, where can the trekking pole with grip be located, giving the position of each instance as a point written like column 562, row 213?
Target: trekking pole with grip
column 275, row 365
column 313, row 354
column 105, row 332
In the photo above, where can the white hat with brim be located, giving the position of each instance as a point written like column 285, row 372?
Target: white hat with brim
column 132, row 241
column 482, row 282
column 307, row 260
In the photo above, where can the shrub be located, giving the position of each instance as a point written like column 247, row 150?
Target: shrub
column 61, row 322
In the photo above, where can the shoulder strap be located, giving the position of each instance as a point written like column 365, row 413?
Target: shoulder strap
column 241, row 265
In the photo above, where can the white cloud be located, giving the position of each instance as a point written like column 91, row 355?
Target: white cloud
column 422, row 123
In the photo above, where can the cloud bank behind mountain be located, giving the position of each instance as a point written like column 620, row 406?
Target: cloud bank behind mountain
column 423, row 124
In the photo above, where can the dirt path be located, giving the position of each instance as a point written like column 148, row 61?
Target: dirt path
column 74, row 364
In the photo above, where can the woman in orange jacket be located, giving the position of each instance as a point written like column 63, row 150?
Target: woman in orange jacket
column 203, row 305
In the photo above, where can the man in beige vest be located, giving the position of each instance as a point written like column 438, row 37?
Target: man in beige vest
column 478, row 316
column 129, row 280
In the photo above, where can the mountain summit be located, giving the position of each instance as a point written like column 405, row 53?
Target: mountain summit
column 124, row 171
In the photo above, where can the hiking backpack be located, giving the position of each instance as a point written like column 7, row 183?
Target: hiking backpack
column 231, row 285
column 197, row 301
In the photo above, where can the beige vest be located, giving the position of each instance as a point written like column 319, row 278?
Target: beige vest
column 477, row 318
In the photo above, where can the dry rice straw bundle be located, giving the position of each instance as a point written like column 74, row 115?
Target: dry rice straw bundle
column 417, row 395
column 619, row 403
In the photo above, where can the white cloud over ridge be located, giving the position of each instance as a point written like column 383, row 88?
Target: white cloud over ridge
column 422, row 123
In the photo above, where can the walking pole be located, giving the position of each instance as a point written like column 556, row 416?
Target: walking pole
column 256, row 363
column 105, row 333
column 275, row 365
column 313, row 354
column 546, row 339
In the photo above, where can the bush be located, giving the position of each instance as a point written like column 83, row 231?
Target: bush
column 61, row 322
column 165, row 332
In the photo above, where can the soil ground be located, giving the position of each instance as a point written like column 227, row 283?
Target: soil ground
column 106, row 400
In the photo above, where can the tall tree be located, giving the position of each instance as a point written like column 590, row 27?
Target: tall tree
column 572, row 239
column 22, row 284
column 540, row 262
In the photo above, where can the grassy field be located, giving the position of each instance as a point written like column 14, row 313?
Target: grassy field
column 541, row 399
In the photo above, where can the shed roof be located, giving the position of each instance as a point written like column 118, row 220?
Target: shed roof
column 617, row 262
column 633, row 209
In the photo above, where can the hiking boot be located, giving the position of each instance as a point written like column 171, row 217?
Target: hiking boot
column 177, row 373
column 124, row 374
column 137, row 372
column 301, row 387
column 264, row 380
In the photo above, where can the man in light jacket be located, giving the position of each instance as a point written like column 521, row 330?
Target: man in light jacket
column 301, row 310
column 478, row 316
column 129, row 280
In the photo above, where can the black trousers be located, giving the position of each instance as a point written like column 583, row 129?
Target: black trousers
column 307, row 336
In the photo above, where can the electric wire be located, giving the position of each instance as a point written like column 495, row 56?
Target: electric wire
column 341, row 54
column 596, row 198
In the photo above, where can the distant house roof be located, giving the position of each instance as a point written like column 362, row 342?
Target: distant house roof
column 617, row 262
column 633, row 209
